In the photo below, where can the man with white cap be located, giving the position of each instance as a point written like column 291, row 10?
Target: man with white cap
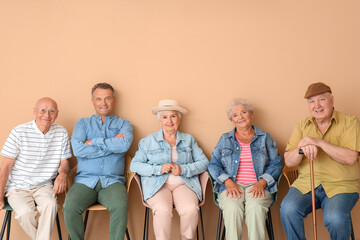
column 331, row 140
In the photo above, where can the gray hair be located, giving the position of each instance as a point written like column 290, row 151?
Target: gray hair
column 102, row 86
column 158, row 114
column 238, row 101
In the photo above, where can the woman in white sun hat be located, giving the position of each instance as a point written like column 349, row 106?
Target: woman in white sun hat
column 169, row 163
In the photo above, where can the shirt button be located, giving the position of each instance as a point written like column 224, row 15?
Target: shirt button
column 234, row 176
column 237, row 148
column 101, row 166
column 235, row 161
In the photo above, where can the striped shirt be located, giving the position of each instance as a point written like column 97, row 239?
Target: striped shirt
column 245, row 173
column 37, row 156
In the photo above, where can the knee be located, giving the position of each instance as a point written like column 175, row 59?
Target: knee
column 25, row 213
column 188, row 210
column 336, row 221
column 162, row 210
column 288, row 209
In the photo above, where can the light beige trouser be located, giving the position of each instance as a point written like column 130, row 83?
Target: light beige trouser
column 255, row 210
column 186, row 204
column 22, row 202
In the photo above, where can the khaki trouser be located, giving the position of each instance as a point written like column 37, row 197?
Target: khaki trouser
column 23, row 204
column 186, row 204
column 253, row 209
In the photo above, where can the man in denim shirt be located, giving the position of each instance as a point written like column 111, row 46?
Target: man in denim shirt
column 99, row 143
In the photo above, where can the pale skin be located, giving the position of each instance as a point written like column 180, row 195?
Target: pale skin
column 170, row 122
column 43, row 122
column 242, row 118
column 103, row 101
column 321, row 108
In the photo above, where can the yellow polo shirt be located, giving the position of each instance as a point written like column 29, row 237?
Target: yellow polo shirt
column 344, row 131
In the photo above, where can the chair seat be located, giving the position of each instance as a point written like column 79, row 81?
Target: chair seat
column 97, row 207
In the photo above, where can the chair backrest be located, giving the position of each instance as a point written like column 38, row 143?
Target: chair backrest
column 291, row 174
column 129, row 175
column 203, row 177
column 138, row 181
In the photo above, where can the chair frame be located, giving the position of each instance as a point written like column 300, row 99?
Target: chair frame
column 291, row 174
column 203, row 177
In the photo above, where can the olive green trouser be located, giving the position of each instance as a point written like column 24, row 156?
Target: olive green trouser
column 80, row 197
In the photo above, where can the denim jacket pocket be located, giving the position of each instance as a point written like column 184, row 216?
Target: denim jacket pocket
column 185, row 154
column 156, row 156
column 226, row 158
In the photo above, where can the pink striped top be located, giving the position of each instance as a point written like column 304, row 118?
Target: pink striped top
column 245, row 173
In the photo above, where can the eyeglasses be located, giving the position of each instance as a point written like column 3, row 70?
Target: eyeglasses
column 44, row 111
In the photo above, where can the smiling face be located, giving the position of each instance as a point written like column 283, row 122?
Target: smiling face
column 170, row 121
column 103, row 101
column 321, row 106
column 45, row 112
column 241, row 116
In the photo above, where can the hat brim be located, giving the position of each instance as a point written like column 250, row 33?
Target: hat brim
column 155, row 110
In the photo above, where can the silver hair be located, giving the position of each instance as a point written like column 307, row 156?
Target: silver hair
column 158, row 114
column 238, row 101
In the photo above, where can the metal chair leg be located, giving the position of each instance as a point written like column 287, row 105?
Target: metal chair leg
column 6, row 221
column 202, row 225
column 8, row 226
column 219, row 225
column 352, row 231
column 58, row 226
column 269, row 226
column 86, row 219
column 146, row 224
column 127, row 233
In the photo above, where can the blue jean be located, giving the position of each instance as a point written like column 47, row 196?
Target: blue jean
column 336, row 212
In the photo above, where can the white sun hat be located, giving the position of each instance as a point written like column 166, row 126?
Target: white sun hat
column 168, row 105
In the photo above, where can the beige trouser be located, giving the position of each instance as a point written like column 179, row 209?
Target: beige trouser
column 186, row 204
column 234, row 210
column 22, row 202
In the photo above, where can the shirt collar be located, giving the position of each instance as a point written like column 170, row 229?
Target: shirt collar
column 160, row 137
column 334, row 117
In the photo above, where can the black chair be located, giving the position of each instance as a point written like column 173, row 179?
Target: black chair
column 221, row 232
column 7, row 222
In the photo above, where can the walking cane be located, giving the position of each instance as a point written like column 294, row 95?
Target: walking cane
column 311, row 162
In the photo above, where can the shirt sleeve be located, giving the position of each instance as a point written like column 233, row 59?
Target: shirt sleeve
column 116, row 145
column 12, row 145
column 140, row 165
column 351, row 136
column 65, row 151
column 295, row 138
column 200, row 163
column 80, row 148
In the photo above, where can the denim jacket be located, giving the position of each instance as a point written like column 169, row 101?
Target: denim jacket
column 154, row 151
column 225, row 160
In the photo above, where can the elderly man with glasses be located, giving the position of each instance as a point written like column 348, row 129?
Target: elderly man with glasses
column 34, row 155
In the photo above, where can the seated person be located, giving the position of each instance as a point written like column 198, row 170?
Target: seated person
column 169, row 163
column 331, row 140
column 245, row 165
column 100, row 143
column 35, row 154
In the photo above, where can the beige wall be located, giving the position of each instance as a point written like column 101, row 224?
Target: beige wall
column 202, row 53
